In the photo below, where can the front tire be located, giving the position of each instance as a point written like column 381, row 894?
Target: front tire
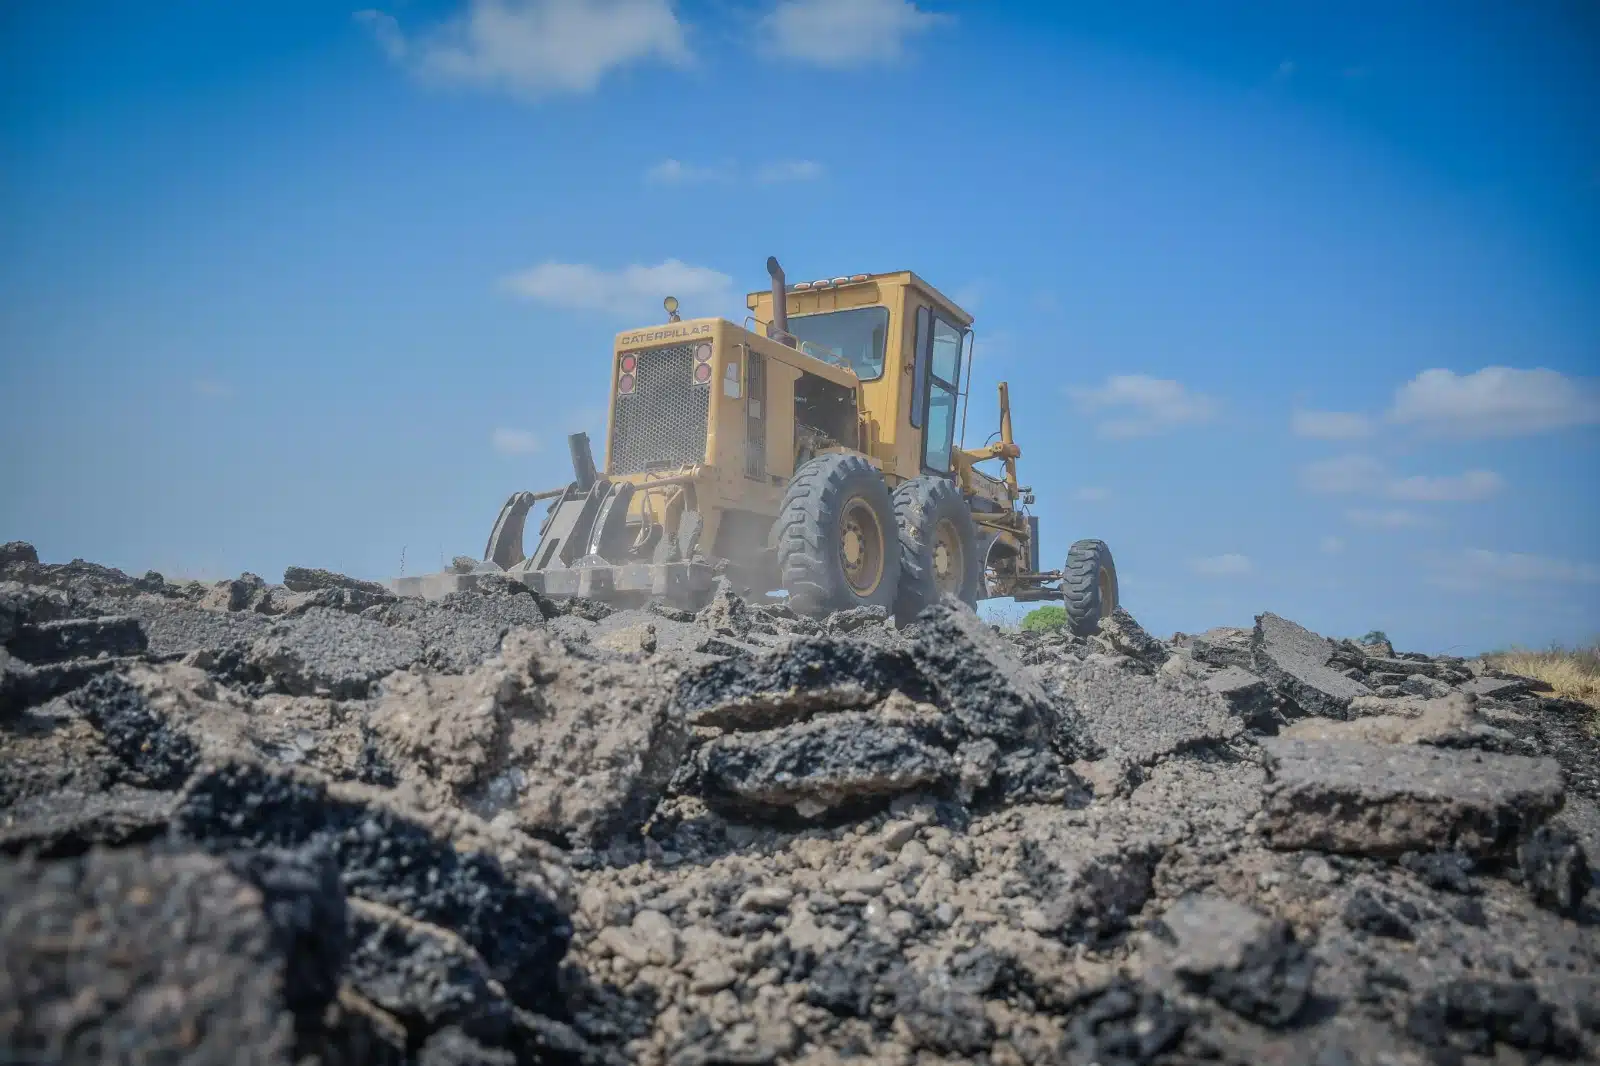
column 938, row 546
column 836, row 537
column 1089, row 586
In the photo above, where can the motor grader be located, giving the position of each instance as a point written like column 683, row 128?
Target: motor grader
column 811, row 451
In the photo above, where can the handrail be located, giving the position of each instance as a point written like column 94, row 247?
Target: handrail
column 966, row 383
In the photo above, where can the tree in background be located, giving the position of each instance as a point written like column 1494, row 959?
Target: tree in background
column 1047, row 617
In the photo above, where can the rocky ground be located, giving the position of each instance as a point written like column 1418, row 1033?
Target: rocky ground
column 312, row 823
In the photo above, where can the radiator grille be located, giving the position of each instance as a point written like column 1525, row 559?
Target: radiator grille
column 661, row 425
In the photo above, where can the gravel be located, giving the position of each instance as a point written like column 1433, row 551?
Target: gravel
column 309, row 822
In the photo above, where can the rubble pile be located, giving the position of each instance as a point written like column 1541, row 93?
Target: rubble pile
column 314, row 823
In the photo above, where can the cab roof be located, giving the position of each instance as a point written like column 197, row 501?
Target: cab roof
column 904, row 278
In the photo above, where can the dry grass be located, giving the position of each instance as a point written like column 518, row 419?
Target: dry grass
column 1574, row 673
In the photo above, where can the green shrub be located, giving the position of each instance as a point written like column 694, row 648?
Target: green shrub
column 1047, row 617
column 1377, row 636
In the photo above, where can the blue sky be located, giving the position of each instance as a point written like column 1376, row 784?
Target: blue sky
column 1298, row 309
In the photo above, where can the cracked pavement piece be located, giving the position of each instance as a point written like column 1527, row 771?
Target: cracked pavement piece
column 810, row 676
column 329, row 653
column 817, row 765
column 1450, row 722
column 433, row 866
column 1295, row 661
column 1249, row 696
column 1141, row 718
column 1127, row 636
column 1239, row 958
column 1387, row 799
column 164, row 955
column 574, row 744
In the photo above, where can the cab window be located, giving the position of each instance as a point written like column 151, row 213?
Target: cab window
column 854, row 338
column 943, row 386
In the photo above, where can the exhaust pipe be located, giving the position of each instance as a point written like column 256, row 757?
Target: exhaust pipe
column 780, row 307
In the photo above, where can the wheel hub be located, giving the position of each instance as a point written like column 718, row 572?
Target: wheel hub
column 852, row 548
column 861, row 547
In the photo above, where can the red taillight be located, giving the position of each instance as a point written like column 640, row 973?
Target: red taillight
column 702, row 373
column 702, row 353
column 625, row 384
column 629, row 363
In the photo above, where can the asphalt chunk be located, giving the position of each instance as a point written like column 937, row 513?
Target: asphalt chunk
column 1388, row 799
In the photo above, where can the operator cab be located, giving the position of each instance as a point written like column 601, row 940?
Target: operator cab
column 883, row 328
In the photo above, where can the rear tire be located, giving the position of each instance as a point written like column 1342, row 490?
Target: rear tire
column 938, row 546
column 1089, row 586
column 836, row 537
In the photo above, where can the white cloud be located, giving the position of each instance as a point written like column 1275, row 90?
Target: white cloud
column 789, row 170
column 1475, row 568
column 1330, row 425
column 1364, row 475
column 216, row 390
column 1496, row 401
column 532, row 48
column 385, row 29
column 1231, row 564
column 1344, row 474
column 1473, row 485
column 1393, row 518
column 1143, row 405
column 845, row 33
column 1331, row 545
column 514, row 442
column 677, row 172
column 629, row 291
column 1091, row 495
column 674, row 172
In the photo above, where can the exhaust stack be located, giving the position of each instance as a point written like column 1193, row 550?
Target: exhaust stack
column 780, row 308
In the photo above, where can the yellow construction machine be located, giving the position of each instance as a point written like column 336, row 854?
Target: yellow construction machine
column 812, row 451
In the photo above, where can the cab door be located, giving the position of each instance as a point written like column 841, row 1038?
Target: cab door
column 936, row 384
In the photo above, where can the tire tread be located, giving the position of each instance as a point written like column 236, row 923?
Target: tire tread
column 1080, row 585
column 914, row 500
column 810, row 507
